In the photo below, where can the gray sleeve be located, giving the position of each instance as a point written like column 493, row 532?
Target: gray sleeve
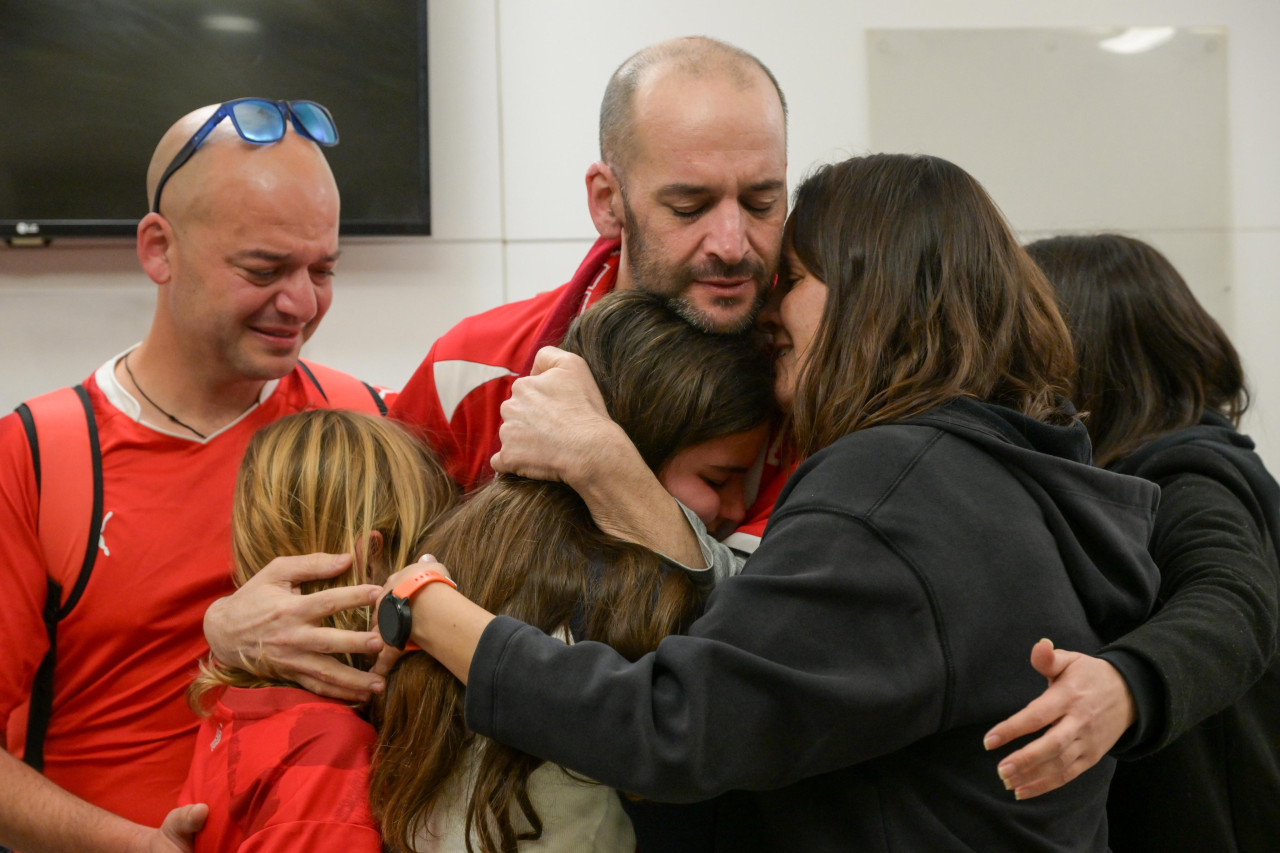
column 721, row 560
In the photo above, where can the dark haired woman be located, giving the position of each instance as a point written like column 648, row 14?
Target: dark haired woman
column 837, row 690
column 1164, row 392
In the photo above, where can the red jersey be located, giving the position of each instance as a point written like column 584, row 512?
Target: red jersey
column 454, row 397
column 283, row 769
column 120, row 733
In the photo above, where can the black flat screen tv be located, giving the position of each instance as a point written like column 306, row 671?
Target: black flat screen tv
column 87, row 88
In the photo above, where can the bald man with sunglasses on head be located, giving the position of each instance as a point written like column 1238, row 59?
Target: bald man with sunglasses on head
column 241, row 242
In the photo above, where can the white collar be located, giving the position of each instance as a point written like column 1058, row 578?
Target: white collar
column 124, row 401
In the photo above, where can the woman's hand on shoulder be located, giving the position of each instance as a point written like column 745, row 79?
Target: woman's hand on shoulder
column 1086, row 707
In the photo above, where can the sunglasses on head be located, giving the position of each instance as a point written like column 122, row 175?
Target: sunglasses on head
column 260, row 121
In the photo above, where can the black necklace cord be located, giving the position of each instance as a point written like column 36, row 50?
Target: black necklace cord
column 162, row 411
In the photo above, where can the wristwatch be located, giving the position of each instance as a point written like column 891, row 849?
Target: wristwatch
column 395, row 611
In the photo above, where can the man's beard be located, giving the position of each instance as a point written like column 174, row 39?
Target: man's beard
column 650, row 274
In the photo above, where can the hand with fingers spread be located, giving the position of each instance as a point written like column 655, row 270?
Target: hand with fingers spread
column 270, row 628
column 1087, row 708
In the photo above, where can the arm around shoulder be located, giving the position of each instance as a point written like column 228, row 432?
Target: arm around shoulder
column 37, row 816
column 759, row 668
column 1215, row 631
column 1212, row 637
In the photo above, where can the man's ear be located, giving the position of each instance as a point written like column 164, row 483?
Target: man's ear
column 155, row 247
column 604, row 200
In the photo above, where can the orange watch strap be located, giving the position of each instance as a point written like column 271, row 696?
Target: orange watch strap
column 410, row 587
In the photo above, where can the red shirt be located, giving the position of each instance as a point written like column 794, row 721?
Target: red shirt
column 283, row 769
column 121, row 732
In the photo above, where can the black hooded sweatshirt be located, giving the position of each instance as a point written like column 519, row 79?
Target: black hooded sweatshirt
column 835, row 694
column 1204, row 670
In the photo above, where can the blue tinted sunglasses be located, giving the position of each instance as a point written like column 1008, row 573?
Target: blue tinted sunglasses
column 262, row 122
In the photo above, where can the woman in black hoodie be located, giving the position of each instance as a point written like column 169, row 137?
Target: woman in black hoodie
column 834, row 694
column 1199, row 699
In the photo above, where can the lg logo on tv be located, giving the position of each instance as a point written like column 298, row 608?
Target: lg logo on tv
column 27, row 228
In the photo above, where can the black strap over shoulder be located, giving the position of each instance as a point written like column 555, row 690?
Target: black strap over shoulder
column 50, row 491
column 342, row 394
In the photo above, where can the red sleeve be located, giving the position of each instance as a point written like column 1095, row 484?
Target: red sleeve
column 418, row 406
column 465, row 438
column 314, row 836
column 455, row 396
column 22, row 570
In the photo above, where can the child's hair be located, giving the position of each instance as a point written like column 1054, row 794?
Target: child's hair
column 326, row 481
column 530, row 549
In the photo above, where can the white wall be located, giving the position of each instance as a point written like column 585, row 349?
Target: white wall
column 515, row 85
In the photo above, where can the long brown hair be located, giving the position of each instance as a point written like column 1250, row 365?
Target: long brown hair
column 530, row 549
column 929, row 298
column 1151, row 359
column 325, row 481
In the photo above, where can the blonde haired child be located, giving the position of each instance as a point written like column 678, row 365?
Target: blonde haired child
column 280, row 767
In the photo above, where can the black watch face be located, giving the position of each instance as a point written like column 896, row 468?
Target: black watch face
column 394, row 620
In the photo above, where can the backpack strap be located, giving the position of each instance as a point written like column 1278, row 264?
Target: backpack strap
column 340, row 391
column 69, row 484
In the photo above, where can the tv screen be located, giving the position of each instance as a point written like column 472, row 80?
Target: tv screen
column 87, row 88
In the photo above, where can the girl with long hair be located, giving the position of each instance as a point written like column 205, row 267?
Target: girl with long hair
column 834, row 695
column 1192, row 694
column 280, row 767
column 698, row 407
